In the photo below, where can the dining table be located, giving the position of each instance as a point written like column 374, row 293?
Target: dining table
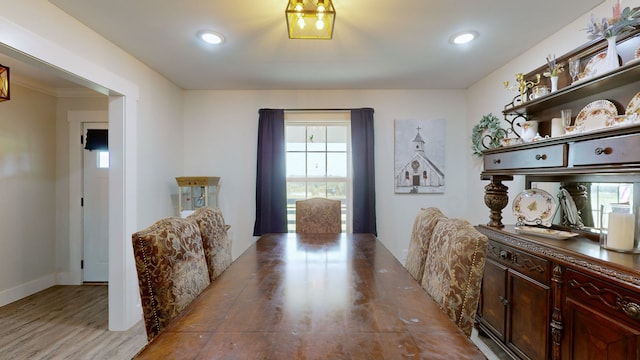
column 313, row 296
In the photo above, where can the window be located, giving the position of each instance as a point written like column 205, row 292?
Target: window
column 318, row 161
column 103, row 159
column 605, row 194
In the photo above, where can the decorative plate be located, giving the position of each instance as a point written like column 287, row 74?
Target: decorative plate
column 634, row 106
column 594, row 67
column 534, row 207
column 545, row 233
column 596, row 115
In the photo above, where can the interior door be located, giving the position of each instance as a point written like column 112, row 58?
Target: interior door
column 95, row 210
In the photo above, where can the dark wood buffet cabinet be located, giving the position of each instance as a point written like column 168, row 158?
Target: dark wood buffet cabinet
column 564, row 299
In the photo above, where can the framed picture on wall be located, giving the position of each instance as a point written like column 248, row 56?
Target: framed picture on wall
column 419, row 156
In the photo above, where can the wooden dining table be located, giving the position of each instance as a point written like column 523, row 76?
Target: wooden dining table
column 313, row 296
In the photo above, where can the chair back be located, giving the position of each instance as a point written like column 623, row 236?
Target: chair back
column 423, row 226
column 318, row 216
column 172, row 270
column 215, row 241
column 454, row 268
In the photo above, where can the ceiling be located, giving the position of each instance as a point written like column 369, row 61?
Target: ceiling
column 376, row 44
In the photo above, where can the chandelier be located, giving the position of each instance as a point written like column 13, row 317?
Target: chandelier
column 4, row 83
column 310, row 19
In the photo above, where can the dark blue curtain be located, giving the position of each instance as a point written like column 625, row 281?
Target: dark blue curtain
column 364, row 180
column 271, row 186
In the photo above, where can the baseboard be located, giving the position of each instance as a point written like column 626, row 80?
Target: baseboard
column 23, row 290
column 68, row 278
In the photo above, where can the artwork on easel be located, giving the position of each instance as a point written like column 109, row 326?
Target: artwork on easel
column 419, row 156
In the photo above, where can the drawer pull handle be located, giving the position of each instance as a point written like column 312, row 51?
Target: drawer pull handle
column 606, row 151
column 496, row 161
column 504, row 301
column 503, row 255
column 541, row 157
column 632, row 310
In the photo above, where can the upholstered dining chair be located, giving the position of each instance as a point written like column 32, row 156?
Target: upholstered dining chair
column 423, row 225
column 318, row 216
column 454, row 268
column 215, row 241
column 172, row 270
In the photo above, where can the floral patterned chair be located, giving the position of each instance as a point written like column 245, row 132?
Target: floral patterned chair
column 318, row 216
column 453, row 270
column 172, row 270
column 217, row 247
column 421, row 233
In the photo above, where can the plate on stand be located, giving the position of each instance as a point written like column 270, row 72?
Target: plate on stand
column 596, row 115
column 534, row 207
column 594, row 67
column 634, row 106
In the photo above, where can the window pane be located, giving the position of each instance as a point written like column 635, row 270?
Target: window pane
column 316, row 164
column 294, row 138
column 336, row 138
column 337, row 191
column 295, row 164
column 103, row 159
column 316, row 189
column 337, row 164
column 316, row 139
column 295, row 191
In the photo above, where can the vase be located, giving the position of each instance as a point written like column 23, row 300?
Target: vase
column 611, row 61
column 554, row 83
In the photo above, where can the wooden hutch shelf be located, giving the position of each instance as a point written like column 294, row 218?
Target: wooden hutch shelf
column 564, row 299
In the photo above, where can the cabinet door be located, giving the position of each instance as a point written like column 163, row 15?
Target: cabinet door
column 529, row 317
column 592, row 335
column 493, row 298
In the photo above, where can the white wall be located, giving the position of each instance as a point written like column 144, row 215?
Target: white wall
column 27, row 190
column 220, row 129
column 147, row 134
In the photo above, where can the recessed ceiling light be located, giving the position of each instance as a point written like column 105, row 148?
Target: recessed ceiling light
column 463, row 37
column 210, row 37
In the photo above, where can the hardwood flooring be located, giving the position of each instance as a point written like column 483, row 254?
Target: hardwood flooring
column 65, row 322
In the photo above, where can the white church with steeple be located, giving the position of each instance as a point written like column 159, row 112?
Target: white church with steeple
column 419, row 174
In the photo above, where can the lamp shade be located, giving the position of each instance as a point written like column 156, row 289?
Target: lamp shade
column 310, row 19
column 4, row 83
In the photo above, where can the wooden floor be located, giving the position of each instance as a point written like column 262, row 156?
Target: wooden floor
column 70, row 322
column 65, row 322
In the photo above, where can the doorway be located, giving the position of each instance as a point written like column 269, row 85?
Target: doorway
column 95, row 203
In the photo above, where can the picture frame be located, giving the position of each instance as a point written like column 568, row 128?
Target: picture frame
column 419, row 156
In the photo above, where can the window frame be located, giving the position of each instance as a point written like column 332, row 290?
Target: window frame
column 324, row 118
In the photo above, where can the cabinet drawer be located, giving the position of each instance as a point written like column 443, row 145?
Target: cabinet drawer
column 531, row 266
column 609, row 298
column 542, row 157
column 615, row 150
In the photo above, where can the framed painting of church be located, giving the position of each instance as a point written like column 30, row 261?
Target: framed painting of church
column 419, row 156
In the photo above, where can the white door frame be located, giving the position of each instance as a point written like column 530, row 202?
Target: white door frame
column 38, row 50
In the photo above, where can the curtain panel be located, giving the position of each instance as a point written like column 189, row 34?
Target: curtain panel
column 271, row 184
column 364, row 180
